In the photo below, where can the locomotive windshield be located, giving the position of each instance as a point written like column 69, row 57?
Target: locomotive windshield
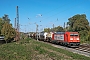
column 73, row 34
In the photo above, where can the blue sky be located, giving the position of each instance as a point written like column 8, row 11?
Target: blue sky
column 43, row 12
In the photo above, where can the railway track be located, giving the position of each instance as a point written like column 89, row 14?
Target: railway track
column 83, row 49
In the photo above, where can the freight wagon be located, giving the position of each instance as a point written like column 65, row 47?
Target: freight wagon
column 41, row 35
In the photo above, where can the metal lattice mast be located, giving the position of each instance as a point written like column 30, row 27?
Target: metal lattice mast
column 15, row 26
column 17, row 19
column 53, row 28
column 64, row 26
column 37, row 32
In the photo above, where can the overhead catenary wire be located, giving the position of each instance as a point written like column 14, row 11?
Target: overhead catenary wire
column 63, row 11
column 57, row 12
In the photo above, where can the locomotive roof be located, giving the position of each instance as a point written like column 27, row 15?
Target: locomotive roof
column 59, row 32
column 73, row 32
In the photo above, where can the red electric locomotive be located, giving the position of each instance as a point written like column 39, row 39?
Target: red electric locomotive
column 66, row 38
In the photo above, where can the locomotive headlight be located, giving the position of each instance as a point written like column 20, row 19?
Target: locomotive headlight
column 71, row 38
column 77, row 38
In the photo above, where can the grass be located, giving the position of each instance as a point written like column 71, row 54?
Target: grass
column 70, row 54
column 30, row 49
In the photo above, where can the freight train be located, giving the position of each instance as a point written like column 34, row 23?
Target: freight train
column 63, row 38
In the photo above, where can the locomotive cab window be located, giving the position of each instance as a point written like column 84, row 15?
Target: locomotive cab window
column 73, row 34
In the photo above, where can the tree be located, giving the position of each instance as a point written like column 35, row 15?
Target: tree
column 6, row 18
column 47, row 30
column 8, row 32
column 78, row 23
column 1, row 24
column 58, row 29
column 3, row 20
column 55, row 29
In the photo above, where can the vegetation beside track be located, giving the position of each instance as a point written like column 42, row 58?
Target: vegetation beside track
column 29, row 49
